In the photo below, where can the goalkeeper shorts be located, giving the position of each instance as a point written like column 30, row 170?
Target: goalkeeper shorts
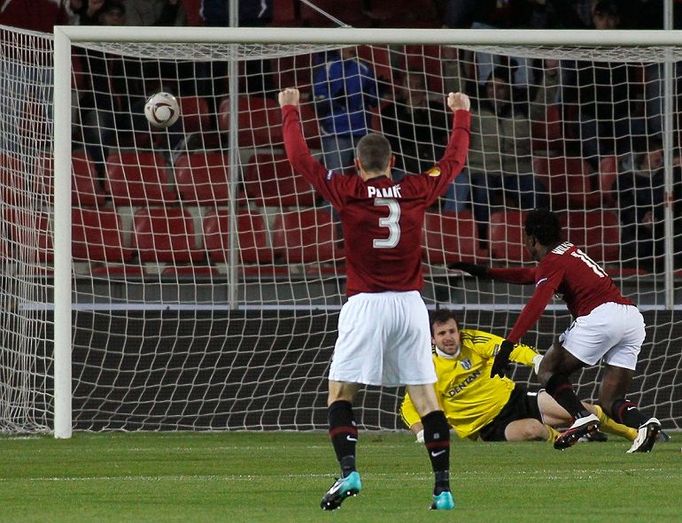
column 521, row 405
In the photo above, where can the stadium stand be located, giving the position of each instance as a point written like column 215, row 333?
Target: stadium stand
column 306, row 236
column 138, row 178
column 252, row 237
column 202, row 178
column 451, row 237
column 505, row 233
column 270, row 182
column 568, row 180
column 166, row 235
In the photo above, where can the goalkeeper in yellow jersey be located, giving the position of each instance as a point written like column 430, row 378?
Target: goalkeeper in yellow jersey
column 477, row 405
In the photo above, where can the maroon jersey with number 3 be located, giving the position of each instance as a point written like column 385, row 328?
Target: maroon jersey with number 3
column 382, row 219
column 567, row 272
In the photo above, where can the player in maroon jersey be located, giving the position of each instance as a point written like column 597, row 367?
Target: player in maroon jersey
column 607, row 326
column 384, row 336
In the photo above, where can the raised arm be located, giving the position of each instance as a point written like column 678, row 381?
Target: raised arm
column 454, row 157
column 297, row 150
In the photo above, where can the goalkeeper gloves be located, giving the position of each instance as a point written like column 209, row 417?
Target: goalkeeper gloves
column 501, row 362
column 536, row 363
column 479, row 271
column 420, row 436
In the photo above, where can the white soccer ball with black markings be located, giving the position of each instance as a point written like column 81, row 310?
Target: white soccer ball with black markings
column 162, row 110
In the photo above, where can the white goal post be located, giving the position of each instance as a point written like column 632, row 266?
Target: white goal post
column 493, row 306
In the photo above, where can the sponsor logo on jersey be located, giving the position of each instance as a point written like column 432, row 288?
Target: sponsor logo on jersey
column 461, row 386
column 434, row 171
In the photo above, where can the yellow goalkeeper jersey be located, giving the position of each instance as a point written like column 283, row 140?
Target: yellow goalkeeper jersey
column 468, row 395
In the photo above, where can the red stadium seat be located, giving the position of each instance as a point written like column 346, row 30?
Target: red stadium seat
column 568, row 182
column 165, row 235
column 306, row 236
column 29, row 234
column 348, row 11
column 194, row 113
column 252, row 237
column 13, row 186
column 451, row 237
column 547, row 134
column 202, row 178
column 96, row 236
column 294, row 70
column 311, row 129
column 597, row 233
column 270, row 182
column 285, row 14
column 260, row 121
column 138, row 178
column 379, row 58
column 403, row 13
column 85, row 189
column 506, row 237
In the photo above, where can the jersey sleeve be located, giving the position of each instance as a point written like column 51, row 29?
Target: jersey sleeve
column 523, row 354
column 408, row 413
column 485, row 344
column 520, row 275
column 302, row 161
column 451, row 164
column 546, row 284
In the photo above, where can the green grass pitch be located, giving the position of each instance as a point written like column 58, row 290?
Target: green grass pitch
column 253, row 477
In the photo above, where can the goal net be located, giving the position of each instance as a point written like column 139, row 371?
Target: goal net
column 193, row 281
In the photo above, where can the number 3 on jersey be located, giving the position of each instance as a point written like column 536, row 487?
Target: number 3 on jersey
column 589, row 262
column 390, row 222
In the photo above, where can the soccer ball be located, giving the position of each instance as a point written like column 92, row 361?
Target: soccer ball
column 162, row 110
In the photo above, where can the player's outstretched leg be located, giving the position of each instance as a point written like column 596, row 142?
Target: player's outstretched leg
column 581, row 427
column 646, row 436
column 342, row 488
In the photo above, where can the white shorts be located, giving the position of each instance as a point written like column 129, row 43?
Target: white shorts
column 612, row 332
column 384, row 339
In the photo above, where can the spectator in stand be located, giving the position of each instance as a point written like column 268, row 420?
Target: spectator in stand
column 641, row 194
column 500, row 163
column 417, row 128
column 112, row 111
column 492, row 14
column 251, row 13
column 35, row 15
column 85, row 11
column 545, row 95
column 604, row 93
column 548, row 90
column 344, row 90
column 155, row 12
